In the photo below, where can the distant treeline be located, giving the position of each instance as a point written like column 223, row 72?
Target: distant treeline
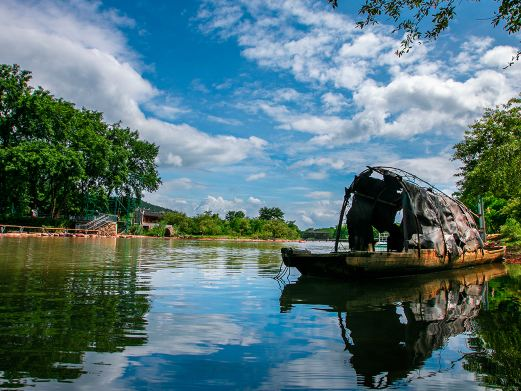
column 57, row 160
column 270, row 224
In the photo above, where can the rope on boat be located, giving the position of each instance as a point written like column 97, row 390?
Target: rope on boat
column 284, row 271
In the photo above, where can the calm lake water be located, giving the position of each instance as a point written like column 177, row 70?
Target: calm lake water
column 149, row 314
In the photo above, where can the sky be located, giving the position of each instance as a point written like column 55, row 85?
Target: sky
column 259, row 103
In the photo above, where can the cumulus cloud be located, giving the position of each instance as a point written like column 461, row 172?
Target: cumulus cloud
column 220, row 205
column 318, row 213
column 256, row 177
column 79, row 53
column 316, row 175
column 319, row 194
column 391, row 97
column 254, row 201
column 439, row 170
column 334, row 102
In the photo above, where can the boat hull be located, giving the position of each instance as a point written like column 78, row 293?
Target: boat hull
column 365, row 264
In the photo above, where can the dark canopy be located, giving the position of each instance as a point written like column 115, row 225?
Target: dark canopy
column 414, row 213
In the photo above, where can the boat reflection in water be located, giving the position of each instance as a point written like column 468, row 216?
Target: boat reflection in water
column 391, row 326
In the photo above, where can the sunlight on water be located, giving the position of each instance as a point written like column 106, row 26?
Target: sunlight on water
column 163, row 314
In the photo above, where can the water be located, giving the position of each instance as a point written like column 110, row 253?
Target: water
column 147, row 314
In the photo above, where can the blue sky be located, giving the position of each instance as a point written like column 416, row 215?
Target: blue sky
column 266, row 103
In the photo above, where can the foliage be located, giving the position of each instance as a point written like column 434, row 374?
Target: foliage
column 491, row 157
column 158, row 230
column 153, row 208
column 236, row 224
column 235, row 214
column 136, row 229
column 56, row 157
column 180, row 221
column 495, row 211
column 266, row 213
column 278, row 229
column 412, row 17
column 497, row 344
column 511, row 231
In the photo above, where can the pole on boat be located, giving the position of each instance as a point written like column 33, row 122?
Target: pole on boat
column 481, row 213
column 341, row 217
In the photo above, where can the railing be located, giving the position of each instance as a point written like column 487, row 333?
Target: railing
column 99, row 222
column 6, row 228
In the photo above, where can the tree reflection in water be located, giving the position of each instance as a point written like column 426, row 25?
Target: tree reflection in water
column 497, row 343
column 57, row 304
column 391, row 327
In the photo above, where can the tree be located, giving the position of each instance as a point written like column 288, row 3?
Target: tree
column 55, row 157
column 277, row 229
column 14, row 92
column 179, row 220
column 266, row 213
column 412, row 17
column 234, row 214
column 491, row 157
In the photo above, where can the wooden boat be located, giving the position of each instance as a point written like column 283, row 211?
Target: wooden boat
column 436, row 232
column 381, row 264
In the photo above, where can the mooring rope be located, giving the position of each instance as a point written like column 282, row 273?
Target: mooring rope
column 283, row 271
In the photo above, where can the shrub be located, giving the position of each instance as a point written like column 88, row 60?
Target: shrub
column 511, row 231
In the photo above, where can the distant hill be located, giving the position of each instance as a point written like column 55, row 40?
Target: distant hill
column 154, row 208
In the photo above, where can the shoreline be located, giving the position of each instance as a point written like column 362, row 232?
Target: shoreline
column 127, row 236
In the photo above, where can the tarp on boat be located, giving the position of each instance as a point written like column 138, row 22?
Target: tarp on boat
column 429, row 218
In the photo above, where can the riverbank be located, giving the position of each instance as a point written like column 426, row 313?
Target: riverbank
column 126, row 236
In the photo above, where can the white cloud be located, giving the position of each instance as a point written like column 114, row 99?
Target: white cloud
column 331, row 162
column 224, row 121
column 391, row 96
column 496, row 56
column 319, row 194
column 334, row 102
column 79, row 53
column 220, row 205
column 439, row 171
column 319, row 213
column 254, row 201
column 256, row 177
column 316, row 175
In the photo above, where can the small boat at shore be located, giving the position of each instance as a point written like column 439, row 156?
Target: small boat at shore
column 434, row 231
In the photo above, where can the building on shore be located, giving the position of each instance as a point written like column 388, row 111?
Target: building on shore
column 148, row 219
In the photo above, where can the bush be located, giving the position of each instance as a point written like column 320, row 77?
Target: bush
column 158, row 230
column 511, row 231
column 136, row 229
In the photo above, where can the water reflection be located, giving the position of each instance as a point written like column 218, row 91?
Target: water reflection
column 158, row 314
column 391, row 327
column 496, row 345
column 56, row 303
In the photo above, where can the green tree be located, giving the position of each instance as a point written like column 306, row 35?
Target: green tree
column 491, row 157
column 427, row 19
column 235, row 214
column 179, row 220
column 56, row 157
column 14, row 93
column 266, row 213
column 278, row 229
column 207, row 223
